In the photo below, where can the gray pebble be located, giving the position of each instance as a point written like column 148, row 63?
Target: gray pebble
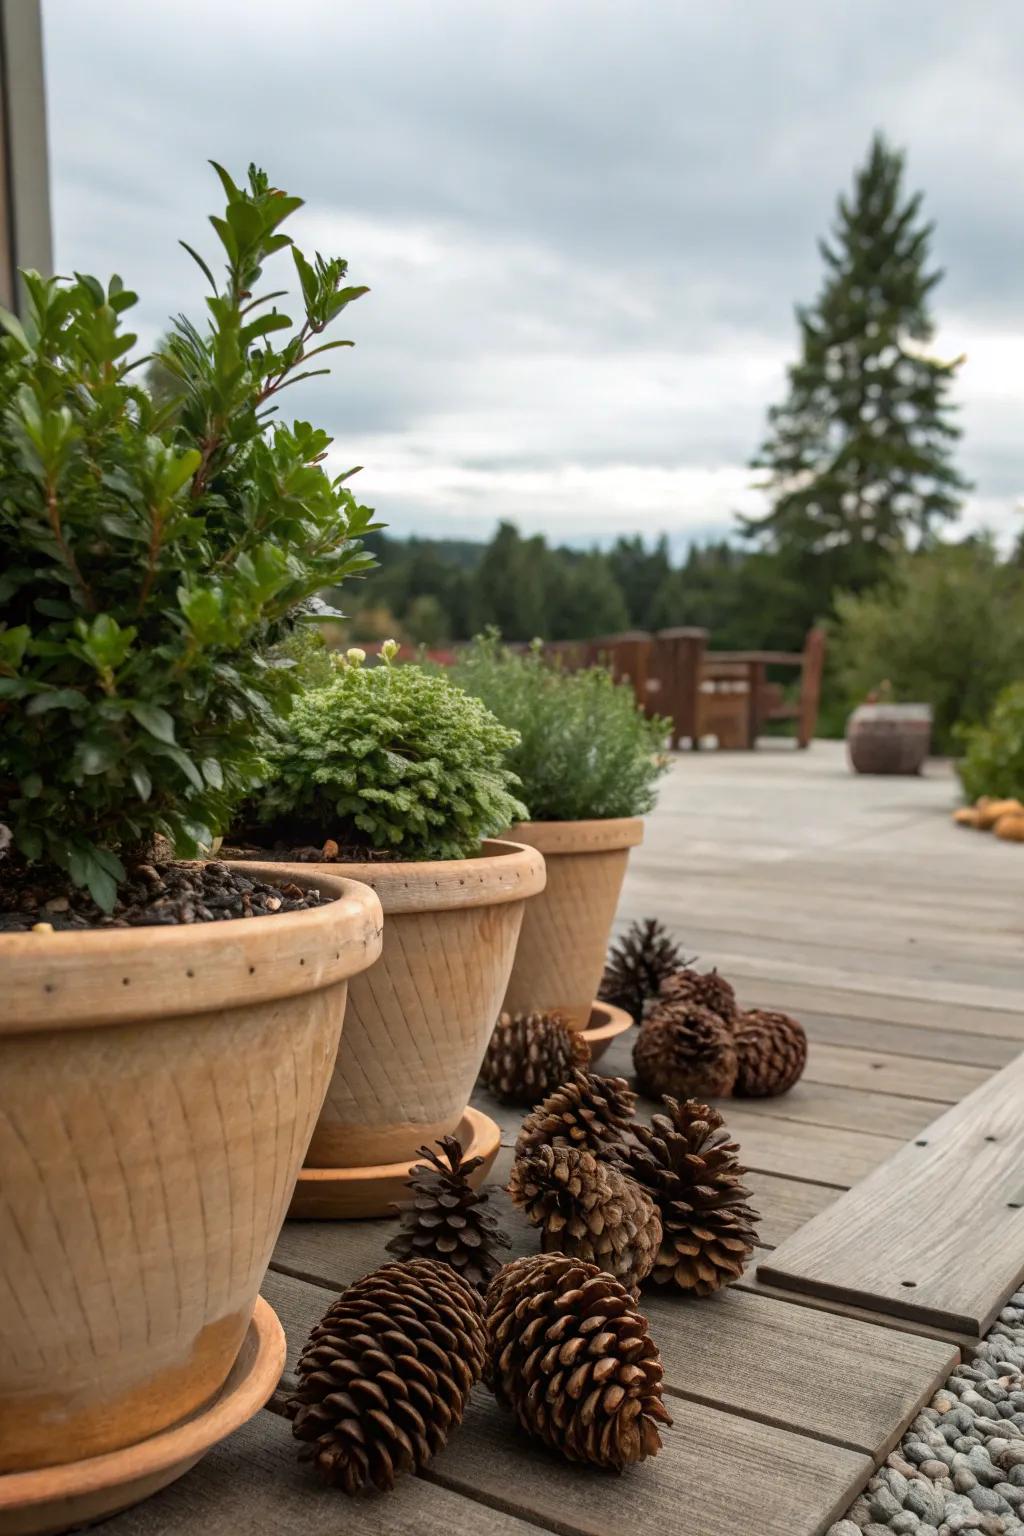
column 883, row 1505
column 926, row 1502
column 984, row 1498
column 844, row 1528
column 934, row 1470
column 905, row 1524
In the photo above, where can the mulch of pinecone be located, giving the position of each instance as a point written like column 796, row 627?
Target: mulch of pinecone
column 154, row 895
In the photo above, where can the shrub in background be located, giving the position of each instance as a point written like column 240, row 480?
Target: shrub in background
column 946, row 630
column 993, row 760
column 150, row 549
column 392, row 758
column 586, row 750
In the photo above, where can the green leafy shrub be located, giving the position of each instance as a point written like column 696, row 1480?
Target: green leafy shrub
column 391, row 758
column 947, row 630
column 993, row 762
column 586, row 750
column 152, row 545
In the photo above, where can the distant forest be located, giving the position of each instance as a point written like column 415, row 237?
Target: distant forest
column 431, row 591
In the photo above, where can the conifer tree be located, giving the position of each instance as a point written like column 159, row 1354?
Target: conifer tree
column 859, row 454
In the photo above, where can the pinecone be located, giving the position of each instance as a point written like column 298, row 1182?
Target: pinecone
column 687, row 1162
column 570, row 1354
column 386, row 1374
column 684, row 1049
column 707, row 988
column 588, row 1111
column 772, row 1051
column 588, row 1210
column 446, row 1220
column 530, row 1054
column 637, row 965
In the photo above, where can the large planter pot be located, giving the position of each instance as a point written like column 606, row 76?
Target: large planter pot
column 419, row 1021
column 158, row 1088
column 889, row 738
column 565, row 933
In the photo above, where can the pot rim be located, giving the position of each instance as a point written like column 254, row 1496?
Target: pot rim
column 105, row 976
column 593, row 836
column 503, row 871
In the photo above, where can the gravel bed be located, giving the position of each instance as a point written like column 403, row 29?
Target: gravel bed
column 960, row 1465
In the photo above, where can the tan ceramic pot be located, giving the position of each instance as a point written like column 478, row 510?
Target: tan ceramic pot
column 158, row 1088
column 418, row 1022
column 565, row 933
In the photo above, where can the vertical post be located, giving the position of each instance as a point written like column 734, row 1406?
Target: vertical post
column 678, row 664
column 25, row 233
column 810, row 686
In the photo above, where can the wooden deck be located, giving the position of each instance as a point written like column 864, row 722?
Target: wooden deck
column 897, row 940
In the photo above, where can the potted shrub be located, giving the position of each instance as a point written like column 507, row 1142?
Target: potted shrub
column 167, row 1029
column 886, row 737
column 992, row 767
column 393, row 775
column 588, row 759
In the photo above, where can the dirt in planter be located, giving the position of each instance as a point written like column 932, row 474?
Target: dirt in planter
column 154, row 895
column 327, row 853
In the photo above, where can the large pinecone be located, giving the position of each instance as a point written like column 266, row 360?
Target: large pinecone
column 588, row 1111
column 772, row 1051
column 684, row 1049
column 637, row 965
column 589, row 1210
column 687, row 1161
column 707, row 988
column 446, row 1219
column 530, row 1054
column 570, row 1354
column 386, row 1374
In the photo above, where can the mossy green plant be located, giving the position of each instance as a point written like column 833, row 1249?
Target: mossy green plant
column 391, row 758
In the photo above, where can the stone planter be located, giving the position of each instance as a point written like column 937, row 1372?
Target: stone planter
column 889, row 738
column 564, row 940
column 418, row 1021
column 158, row 1088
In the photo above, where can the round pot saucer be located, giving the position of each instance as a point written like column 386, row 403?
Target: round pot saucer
column 606, row 1023
column 325, row 1194
column 61, row 1498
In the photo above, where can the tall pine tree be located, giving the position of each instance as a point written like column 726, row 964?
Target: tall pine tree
column 859, row 454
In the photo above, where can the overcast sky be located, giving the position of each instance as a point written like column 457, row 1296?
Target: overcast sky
column 584, row 224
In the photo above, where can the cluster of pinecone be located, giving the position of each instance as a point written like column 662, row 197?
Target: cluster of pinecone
column 694, row 1038
column 386, row 1374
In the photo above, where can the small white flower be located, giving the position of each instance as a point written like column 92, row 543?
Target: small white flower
column 355, row 656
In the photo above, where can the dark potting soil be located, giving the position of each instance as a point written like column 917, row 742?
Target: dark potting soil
column 328, row 853
column 154, row 895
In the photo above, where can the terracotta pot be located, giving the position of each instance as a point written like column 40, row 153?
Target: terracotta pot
column 889, row 738
column 419, row 1021
column 158, row 1087
column 565, row 933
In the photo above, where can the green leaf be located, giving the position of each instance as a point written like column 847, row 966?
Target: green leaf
column 155, row 720
column 56, row 698
column 142, row 781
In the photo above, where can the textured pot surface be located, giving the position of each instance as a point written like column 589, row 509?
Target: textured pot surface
column 418, row 1021
column 158, row 1087
column 889, row 738
column 562, row 947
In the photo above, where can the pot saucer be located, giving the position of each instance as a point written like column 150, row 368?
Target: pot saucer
column 61, row 1498
column 324, row 1194
column 606, row 1023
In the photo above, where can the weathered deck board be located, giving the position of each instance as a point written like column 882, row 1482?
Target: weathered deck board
column 851, row 1109
column 825, row 1376
column 937, row 1232
column 882, row 1072
column 928, row 1045
column 795, row 1383
column 785, row 1205
column 253, row 1483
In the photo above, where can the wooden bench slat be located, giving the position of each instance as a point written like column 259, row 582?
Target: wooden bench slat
column 937, row 1231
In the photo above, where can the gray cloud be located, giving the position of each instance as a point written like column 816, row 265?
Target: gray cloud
column 584, row 224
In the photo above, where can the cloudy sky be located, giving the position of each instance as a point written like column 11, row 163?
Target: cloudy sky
column 584, row 224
